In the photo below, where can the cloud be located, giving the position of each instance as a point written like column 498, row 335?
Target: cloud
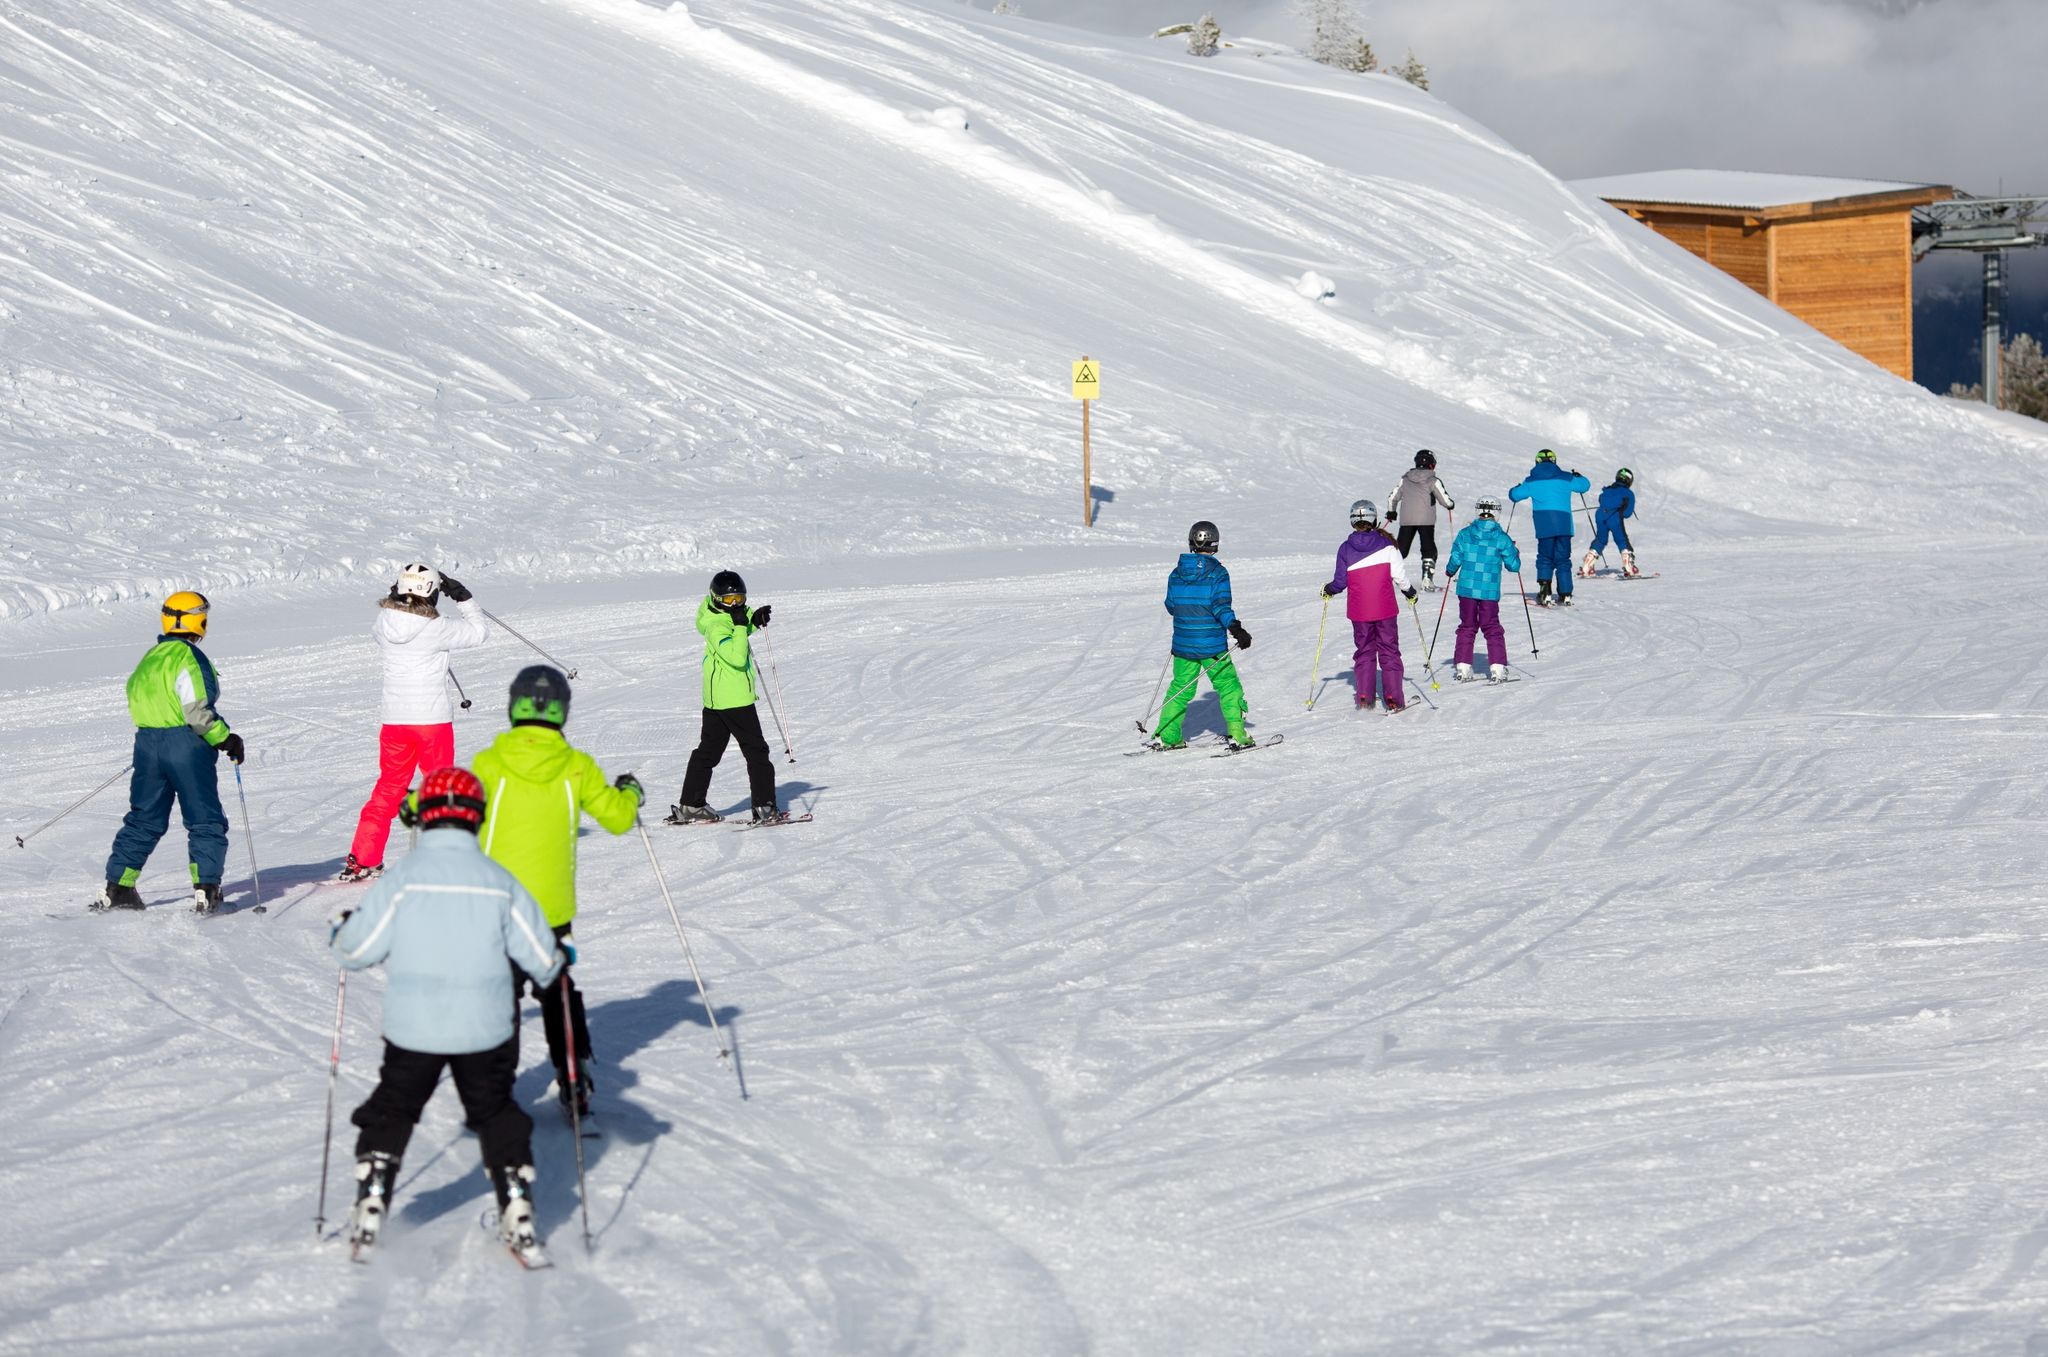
column 1940, row 91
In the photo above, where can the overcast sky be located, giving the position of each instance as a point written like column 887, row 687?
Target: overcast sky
column 1942, row 91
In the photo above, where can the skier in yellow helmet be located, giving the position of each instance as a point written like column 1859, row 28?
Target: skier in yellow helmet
column 179, row 738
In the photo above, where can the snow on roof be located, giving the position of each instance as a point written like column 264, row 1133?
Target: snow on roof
column 1733, row 188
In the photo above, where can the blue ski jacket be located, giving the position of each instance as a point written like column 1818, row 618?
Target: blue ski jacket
column 1198, row 596
column 444, row 922
column 1549, row 489
column 1617, row 502
column 1478, row 555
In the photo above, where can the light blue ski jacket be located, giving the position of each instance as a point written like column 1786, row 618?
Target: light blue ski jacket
column 443, row 923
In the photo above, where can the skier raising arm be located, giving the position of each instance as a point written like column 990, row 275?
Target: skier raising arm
column 1549, row 491
column 727, row 626
column 443, row 924
column 418, row 734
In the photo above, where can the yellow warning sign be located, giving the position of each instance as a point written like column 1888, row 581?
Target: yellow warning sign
column 1087, row 380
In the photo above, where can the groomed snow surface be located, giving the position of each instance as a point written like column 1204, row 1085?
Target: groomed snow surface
column 1681, row 997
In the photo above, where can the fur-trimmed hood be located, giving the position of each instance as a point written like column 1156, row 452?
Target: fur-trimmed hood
column 418, row 607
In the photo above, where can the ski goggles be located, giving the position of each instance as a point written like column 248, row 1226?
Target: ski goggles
column 731, row 599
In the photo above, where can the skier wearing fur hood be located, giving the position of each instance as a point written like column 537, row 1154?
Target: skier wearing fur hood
column 413, row 642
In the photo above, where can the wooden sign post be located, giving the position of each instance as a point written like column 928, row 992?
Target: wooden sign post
column 1087, row 390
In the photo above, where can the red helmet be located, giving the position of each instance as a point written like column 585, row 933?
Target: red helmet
column 451, row 796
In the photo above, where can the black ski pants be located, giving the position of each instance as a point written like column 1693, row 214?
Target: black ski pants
column 550, row 996
column 733, row 723
column 483, row 1080
column 1409, row 532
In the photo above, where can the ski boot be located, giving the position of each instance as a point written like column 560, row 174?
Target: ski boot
column 205, row 898
column 514, row 1186
column 1497, row 674
column 114, row 895
column 1588, row 564
column 1563, row 600
column 1429, row 574
column 1395, row 708
column 1628, row 564
column 376, row 1173
column 1543, row 593
column 680, row 814
column 1363, row 703
column 356, row 871
column 768, row 813
column 1238, row 743
column 1464, row 674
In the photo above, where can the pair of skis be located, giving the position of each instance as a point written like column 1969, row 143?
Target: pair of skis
column 1204, row 742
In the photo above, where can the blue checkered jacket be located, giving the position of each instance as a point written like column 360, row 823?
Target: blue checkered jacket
column 1482, row 550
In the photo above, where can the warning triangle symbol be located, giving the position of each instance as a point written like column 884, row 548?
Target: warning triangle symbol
column 1087, row 377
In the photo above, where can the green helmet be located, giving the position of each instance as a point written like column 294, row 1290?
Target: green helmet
column 540, row 697
column 1546, row 455
column 1624, row 477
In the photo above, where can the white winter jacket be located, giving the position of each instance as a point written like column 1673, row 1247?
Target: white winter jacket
column 414, row 650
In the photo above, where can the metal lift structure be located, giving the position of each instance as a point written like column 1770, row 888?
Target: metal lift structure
column 1989, row 226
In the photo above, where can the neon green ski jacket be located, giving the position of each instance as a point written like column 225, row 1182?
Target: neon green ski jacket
column 537, row 789
column 728, row 657
column 174, row 686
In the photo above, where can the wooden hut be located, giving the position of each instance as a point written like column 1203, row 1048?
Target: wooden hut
column 1837, row 253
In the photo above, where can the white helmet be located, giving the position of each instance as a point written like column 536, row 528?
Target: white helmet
column 1489, row 505
column 1364, row 514
column 417, row 581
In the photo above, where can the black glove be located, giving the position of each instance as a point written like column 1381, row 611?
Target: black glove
column 232, row 747
column 1393, row 512
column 455, row 589
column 736, row 611
column 409, row 810
column 1408, row 594
column 1243, row 637
column 761, row 616
column 626, row 782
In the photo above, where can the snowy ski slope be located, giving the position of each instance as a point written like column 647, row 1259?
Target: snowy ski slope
column 1680, row 998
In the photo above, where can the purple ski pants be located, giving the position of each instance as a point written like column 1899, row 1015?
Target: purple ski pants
column 1474, row 616
column 1378, row 651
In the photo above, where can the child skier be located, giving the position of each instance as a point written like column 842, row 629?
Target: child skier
column 1198, row 596
column 179, row 739
column 1413, row 506
column 1482, row 549
column 413, row 642
column 728, row 627
column 1617, row 504
column 531, row 774
column 1549, row 491
column 443, row 924
column 1369, row 569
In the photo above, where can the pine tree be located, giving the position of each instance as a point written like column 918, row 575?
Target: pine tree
column 2022, row 380
column 1333, row 32
column 1413, row 71
column 1205, row 36
column 1003, row 7
column 1360, row 58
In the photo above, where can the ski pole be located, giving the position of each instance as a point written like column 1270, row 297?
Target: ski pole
column 528, row 644
column 333, row 1076
column 21, row 840
column 1522, row 585
column 458, row 689
column 575, row 1102
column 1144, row 722
column 772, row 705
column 710, row 1009
column 1315, row 670
column 249, row 842
column 1424, row 696
column 1415, row 611
column 1429, row 654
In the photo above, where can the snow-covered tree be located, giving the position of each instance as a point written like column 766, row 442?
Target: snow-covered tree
column 1003, row 7
column 1333, row 31
column 1205, row 36
column 1360, row 58
column 2022, row 382
column 1413, row 71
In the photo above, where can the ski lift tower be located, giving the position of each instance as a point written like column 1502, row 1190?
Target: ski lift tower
column 1990, row 226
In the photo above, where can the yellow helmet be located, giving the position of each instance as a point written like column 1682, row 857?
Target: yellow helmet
column 185, row 613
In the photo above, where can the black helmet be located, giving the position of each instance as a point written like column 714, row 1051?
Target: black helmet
column 727, row 583
column 1624, row 477
column 540, row 697
column 1426, row 458
column 1203, row 537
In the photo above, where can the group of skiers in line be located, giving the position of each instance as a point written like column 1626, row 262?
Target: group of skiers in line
column 493, row 876
column 1372, row 570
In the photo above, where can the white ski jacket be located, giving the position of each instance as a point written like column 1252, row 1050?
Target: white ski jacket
column 414, row 649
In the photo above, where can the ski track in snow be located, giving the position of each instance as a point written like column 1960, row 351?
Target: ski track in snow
column 1677, row 997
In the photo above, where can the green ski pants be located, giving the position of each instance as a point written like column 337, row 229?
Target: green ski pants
column 1186, row 676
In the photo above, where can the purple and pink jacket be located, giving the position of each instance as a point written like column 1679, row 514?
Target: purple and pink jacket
column 1370, row 570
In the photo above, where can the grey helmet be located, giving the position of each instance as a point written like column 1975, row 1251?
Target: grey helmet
column 1364, row 514
column 1204, row 538
column 1489, row 505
